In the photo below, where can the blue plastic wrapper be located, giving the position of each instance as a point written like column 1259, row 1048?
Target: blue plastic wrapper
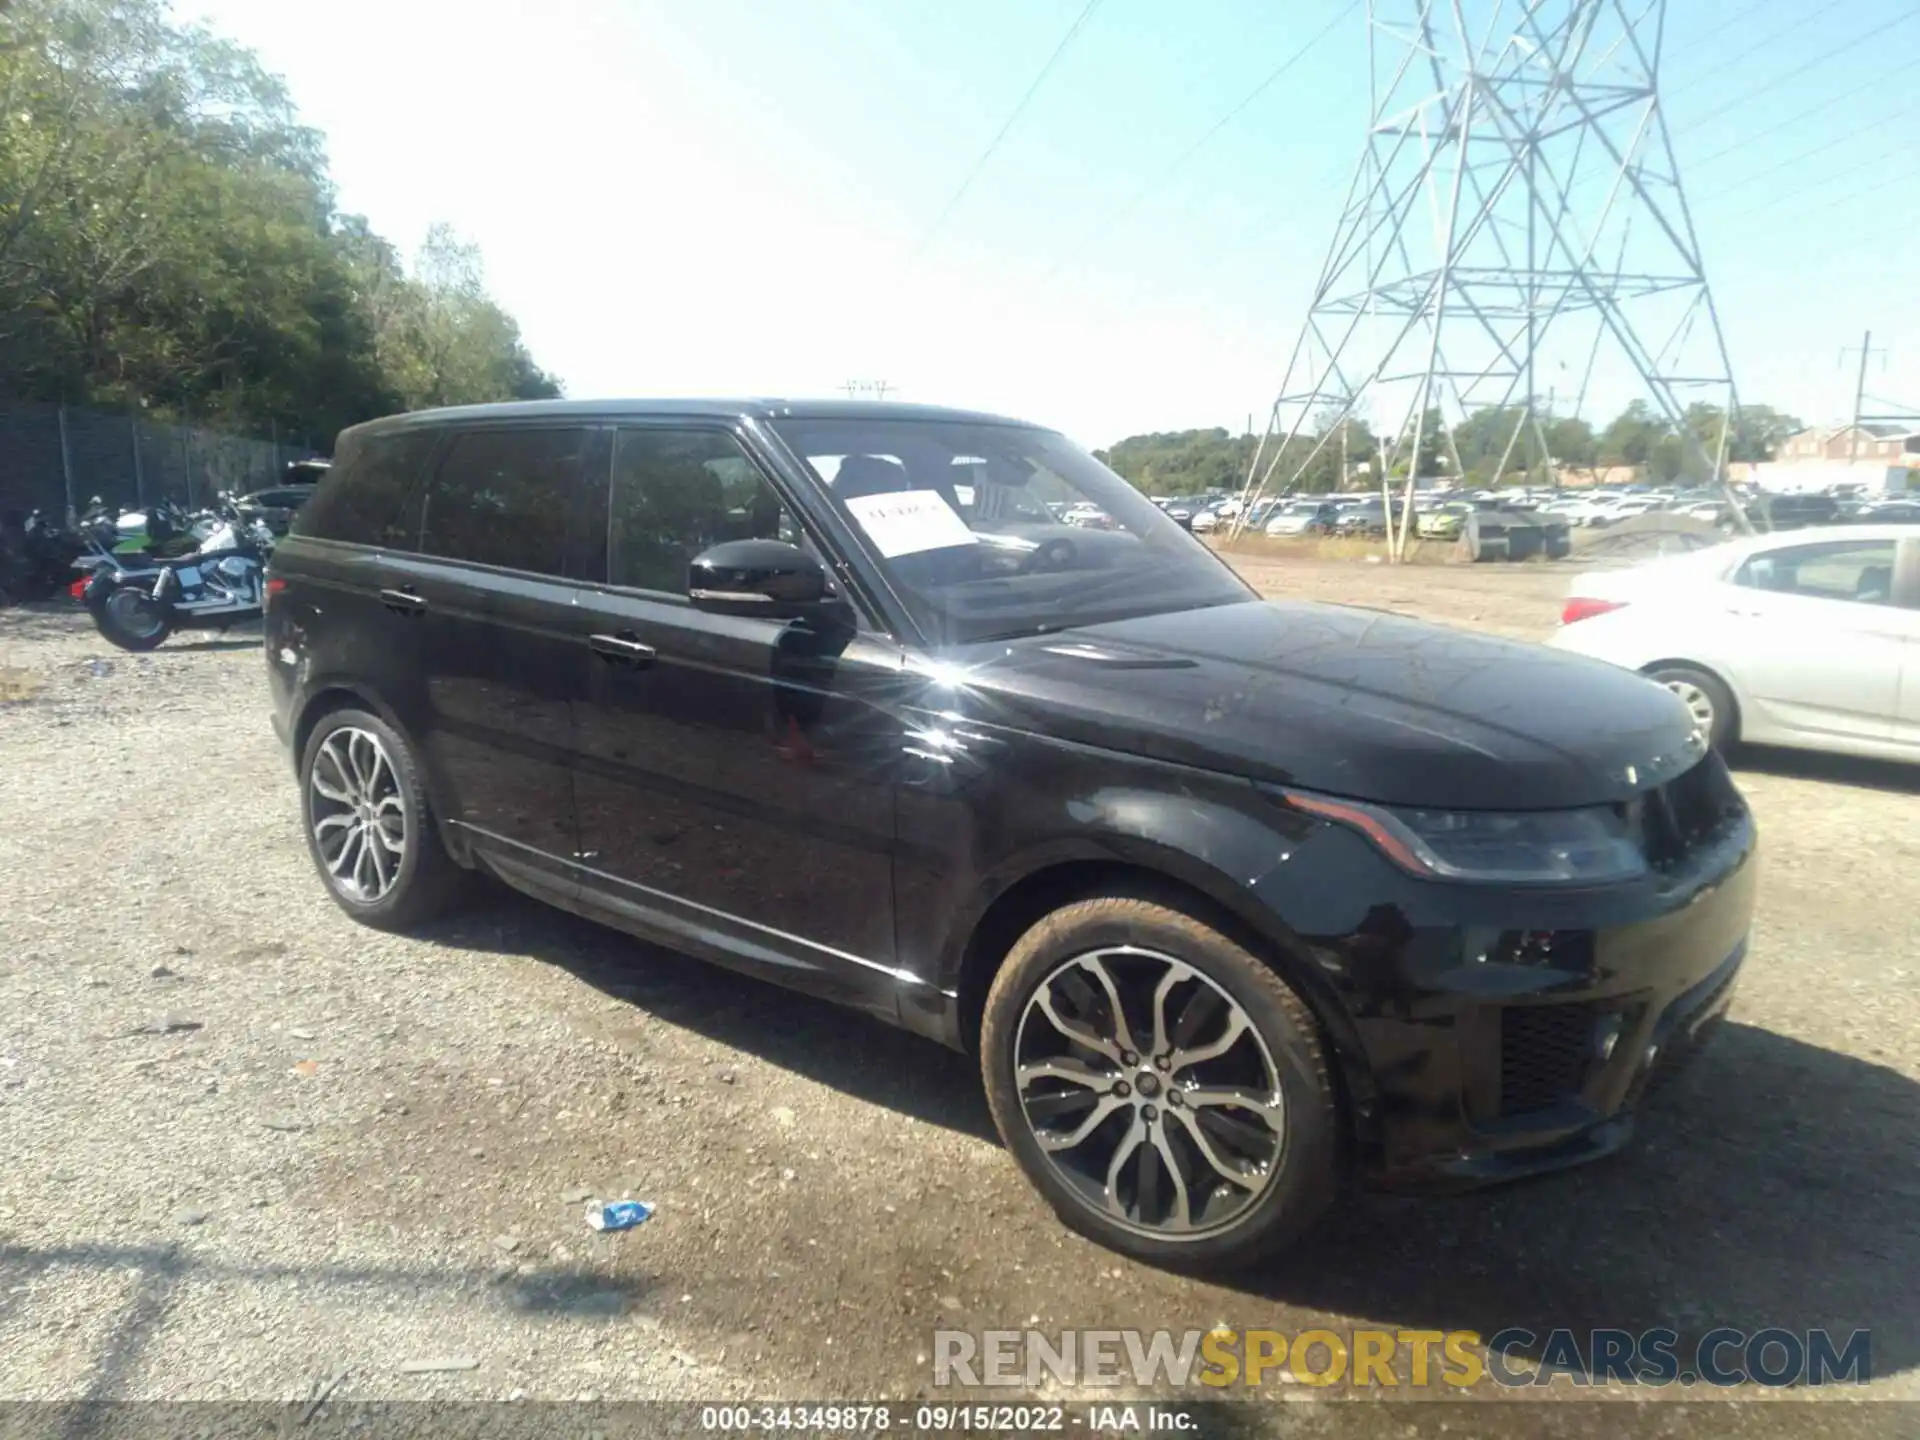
column 619, row 1214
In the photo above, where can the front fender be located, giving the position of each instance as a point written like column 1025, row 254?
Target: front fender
column 1041, row 808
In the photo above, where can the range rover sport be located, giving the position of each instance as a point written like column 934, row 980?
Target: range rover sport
column 1234, row 900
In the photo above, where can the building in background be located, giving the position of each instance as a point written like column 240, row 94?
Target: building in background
column 1871, row 443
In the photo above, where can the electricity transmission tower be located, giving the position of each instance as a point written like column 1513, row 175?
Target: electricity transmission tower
column 1516, row 224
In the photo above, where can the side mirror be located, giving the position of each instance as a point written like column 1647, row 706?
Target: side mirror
column 768, row 578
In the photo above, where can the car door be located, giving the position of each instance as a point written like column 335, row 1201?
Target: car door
column 345, row 543
column 736, row 776
column 1814, row 639
column 499, row 635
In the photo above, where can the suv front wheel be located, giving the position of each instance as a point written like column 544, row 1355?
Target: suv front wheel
column 370, row 830
column 1163, row 1088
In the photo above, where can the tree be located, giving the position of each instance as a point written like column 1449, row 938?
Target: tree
column 168, row 238
column 1433, row 460
column 1631, row 438
column 1758, row 431
column 1570, row 441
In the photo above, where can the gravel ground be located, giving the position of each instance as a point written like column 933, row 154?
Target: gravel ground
column 246, row 1145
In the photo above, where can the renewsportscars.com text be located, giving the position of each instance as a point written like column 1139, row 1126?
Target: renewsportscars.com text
column 1415, row 1359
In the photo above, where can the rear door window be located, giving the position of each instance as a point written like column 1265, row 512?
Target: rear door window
column 501, row 496
column 1859, row 571
column 372, row 494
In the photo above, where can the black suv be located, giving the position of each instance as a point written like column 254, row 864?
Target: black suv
column 1231, row 898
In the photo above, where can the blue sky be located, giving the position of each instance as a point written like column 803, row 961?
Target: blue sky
column 735, row 196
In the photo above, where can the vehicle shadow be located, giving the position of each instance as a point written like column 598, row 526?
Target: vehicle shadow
column 1835, row 769
column 1774, row 1183
column 851, row 1052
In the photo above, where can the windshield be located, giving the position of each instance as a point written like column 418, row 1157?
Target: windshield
column 992, row 531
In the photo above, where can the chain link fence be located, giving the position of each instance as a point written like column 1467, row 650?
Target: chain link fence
column 55, row 458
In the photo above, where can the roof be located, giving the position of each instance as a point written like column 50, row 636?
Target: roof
column 1879, row 429
column 706, row 409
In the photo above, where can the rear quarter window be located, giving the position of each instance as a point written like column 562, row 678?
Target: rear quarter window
column 372, row 494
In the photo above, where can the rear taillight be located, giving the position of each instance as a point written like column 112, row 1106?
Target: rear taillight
column 1581, row 608
column 275, row 585
column 79, row 588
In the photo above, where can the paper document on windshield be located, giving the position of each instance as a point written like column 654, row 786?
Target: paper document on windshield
column 906, row 522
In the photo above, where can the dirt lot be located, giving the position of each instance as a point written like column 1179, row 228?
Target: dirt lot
column 343, row 1151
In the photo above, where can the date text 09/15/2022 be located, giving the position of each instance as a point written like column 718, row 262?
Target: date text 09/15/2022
column 963, row 1419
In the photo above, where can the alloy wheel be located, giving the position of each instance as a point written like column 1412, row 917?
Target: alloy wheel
column 1150, row 1092
column 1697, row 701
column 359, row 819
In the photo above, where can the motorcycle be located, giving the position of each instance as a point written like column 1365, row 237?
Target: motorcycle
column 137, row 598
column 36, row 556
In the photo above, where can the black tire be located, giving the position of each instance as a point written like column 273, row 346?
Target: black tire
column 1723, row 732
column 1300, row 1183
column 107, row 619
column 428, row 881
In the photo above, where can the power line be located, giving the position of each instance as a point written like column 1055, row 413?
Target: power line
column 1821, row 149
column 1877, row 82
column 1803, row 67
column 1728, row 62
column 1273, row 77
column 1904, row 148
column 993, row 145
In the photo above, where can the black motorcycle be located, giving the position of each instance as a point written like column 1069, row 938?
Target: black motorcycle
column 137, row 599
column 36, row 557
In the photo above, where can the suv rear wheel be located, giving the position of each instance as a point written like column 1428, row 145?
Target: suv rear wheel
column 369, row 828
column 1163, row 1088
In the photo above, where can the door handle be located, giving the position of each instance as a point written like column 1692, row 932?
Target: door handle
column 403, row 601
column 622, row 649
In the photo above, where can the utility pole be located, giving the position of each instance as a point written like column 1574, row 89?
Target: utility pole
column 1859, row 394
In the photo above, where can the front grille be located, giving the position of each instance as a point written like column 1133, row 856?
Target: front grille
column 1545, row 1051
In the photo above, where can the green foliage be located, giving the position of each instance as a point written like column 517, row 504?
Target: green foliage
column 1640, row 435
column 1189, row 462
column 1197, row 462
column 168, row 239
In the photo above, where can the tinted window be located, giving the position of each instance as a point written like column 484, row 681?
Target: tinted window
column 1861, row 571
column 371, row 496
column 500, row 497
column 677, row 492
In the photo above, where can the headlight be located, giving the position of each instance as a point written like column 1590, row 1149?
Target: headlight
column 1527, row 847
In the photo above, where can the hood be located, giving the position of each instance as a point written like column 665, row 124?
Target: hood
column 1345, row 701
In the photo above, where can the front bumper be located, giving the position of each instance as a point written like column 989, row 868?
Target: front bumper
column 1595, row 1117
column 1488, row 1034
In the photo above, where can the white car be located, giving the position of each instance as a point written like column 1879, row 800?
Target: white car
column 1299, row 517
column 1809, row 638
column 1612, row 512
